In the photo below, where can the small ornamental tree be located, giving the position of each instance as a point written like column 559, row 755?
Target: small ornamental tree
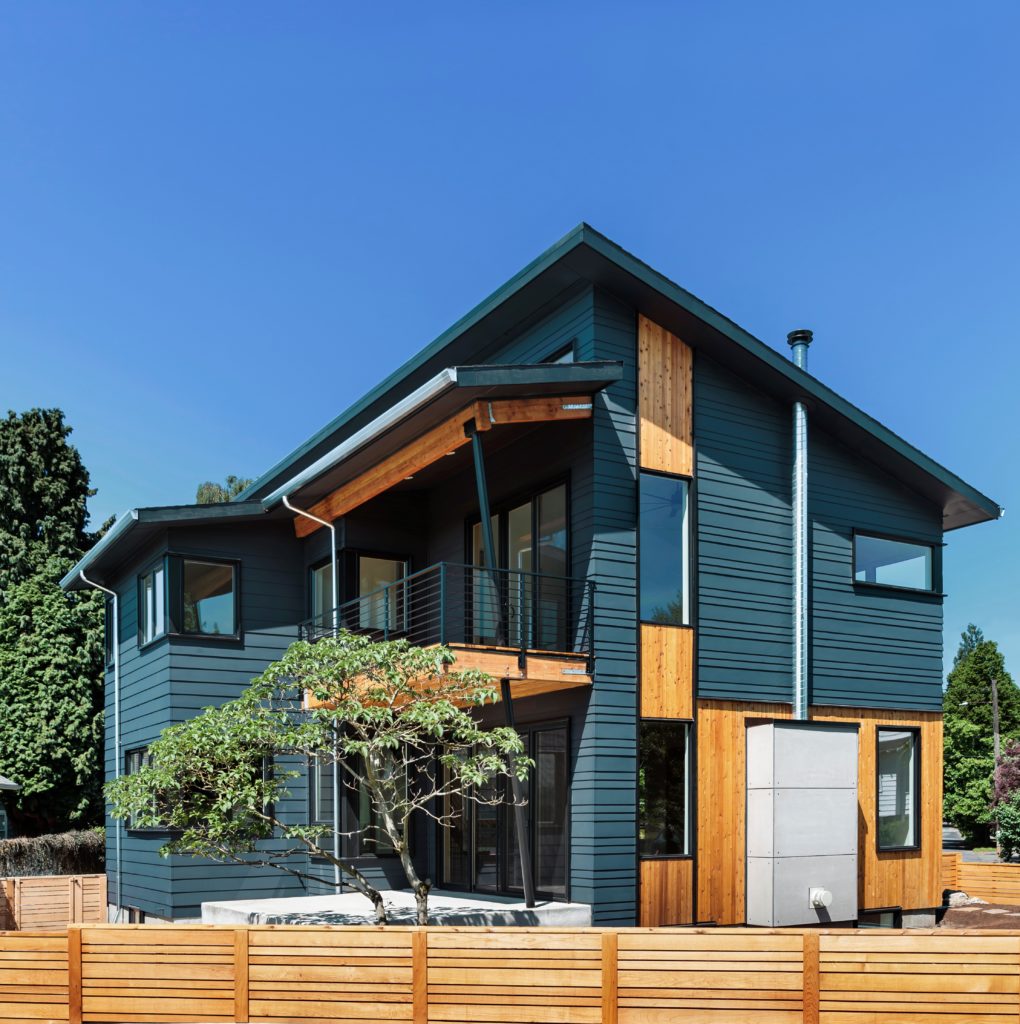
column 393, row 721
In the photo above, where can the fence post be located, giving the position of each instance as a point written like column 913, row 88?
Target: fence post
column 241, row 974
column 74, row 974
column 420, row 976
column 811, row 978
column 16, row 903
column 610, row 977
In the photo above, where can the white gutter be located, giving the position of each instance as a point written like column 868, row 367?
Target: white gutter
column 121, row 526
column 429, row 391
column 116, row 717
column 334, row 577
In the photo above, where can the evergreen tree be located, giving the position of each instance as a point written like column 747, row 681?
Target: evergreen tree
column 51, row 643
column 969, row 762
column 211, row 493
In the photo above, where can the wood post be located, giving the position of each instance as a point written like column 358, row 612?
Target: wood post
column 420, row 976
column 610, row 977
column 241, row 974
column 16, row 903
column 811, row 978
column 74, row 974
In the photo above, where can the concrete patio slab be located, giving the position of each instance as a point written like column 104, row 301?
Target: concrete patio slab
column 351, row 908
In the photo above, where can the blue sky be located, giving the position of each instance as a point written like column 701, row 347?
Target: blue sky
column 220, row 224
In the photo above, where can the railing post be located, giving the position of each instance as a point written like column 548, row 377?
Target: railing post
column 241, row 974
column 420, row 976
column 610, row 977
column 442, row 602
column 74, row 975
column 811, row 977
column 386, row 613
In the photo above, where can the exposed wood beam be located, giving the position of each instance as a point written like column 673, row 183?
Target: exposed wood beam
column 433, row 445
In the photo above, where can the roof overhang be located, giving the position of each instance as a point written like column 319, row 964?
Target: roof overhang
column 584, row 258
column 6, row 786
column 441, row 397
column 138, row 526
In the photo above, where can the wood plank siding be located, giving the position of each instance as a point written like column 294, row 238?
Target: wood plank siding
column 909, row 879
column 665, row 401
column 666, row 690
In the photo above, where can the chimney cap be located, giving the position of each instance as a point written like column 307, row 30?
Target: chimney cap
column 800, row 337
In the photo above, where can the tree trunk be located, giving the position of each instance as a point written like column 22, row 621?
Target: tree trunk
column 421, row 899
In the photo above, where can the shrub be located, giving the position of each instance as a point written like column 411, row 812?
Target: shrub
column 68, row 853
column 1008, row 834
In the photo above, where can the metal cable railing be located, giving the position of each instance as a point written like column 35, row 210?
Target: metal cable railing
column 471, row 605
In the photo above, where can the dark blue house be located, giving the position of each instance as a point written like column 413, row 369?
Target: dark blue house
column 689, row 533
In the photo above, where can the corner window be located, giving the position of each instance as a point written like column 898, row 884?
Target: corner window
column 886, row 562
column 208, row 598
column 663, row 538
column 898, row 789
column 664, row 812
column 321, row 595
column 152, row 605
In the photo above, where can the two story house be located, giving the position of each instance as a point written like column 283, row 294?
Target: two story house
column 656, row 531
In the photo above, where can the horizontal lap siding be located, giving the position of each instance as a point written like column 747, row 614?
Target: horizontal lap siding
column 869, row 647
column 744, row 549
column 603, row 867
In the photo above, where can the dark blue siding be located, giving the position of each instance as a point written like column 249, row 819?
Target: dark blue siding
column 744, row 548
column 869, row 647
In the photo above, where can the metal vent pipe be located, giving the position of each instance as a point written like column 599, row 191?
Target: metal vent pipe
column 799, row 342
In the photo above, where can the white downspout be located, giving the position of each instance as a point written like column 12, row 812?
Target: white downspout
column 116, row 721
column 799, row 341
column 335, row 597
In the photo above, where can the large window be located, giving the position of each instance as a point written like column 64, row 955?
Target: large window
column 885, row 562
column 152, row 605
column 663, row 540
column 898, row 789
column 208, row 598
column 360, row 822
column 664, row 811
column 382, row 594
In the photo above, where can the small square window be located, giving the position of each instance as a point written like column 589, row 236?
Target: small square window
column 208, row 604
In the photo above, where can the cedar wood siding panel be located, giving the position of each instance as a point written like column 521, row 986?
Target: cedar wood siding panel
column 744, row 547
column 875, row 648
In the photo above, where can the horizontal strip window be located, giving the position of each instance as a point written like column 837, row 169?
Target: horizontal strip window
column 898, row 789
column 664, row 784
column 891, row 562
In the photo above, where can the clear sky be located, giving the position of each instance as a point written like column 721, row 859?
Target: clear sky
column 221, row 223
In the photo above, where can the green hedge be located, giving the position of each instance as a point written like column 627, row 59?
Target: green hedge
column 69, row 853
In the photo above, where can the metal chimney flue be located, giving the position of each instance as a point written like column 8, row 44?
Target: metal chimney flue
column 799, row 342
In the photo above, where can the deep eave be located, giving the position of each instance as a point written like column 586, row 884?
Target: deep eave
column 135, row 527
column 585, row 256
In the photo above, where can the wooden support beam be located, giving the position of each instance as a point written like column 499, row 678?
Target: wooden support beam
column 438, row 442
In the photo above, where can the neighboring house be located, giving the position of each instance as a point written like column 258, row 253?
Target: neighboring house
column 672, row 562
column 6, row 787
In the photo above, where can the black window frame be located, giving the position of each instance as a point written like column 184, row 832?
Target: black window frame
column 935, row 547
column 144, row 758
column 690, row 823
column 687, row 549
column 897, row 913
column 175, row 596
column 164, row 630
column 916, row 731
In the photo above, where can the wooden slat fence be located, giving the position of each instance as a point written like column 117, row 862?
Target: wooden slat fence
column 42, row 902
column 100, row 974
column 996, row 883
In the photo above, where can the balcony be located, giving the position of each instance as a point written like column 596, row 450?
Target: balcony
column 530, row 628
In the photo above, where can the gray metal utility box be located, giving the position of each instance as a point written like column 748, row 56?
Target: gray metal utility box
column 801, row 823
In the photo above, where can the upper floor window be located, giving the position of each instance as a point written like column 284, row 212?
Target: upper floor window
column 888, row 562
column 898, row 789
column 207, row 598
column 663, row 538
column 109, row 640
column 152, row 604
column 322, row 593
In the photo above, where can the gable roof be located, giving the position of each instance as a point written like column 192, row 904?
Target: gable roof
column 586, row 256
